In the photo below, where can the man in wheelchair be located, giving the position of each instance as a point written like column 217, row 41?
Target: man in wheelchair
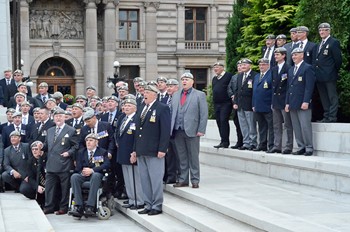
column 91, row 162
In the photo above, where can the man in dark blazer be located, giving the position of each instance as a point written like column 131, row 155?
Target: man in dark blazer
column 301, row 84
column 280, row 116
column 113, row 113
column 308, row 47
column 222, row 103
column 162, row 87
column 15, row 126
column 262, row 99
column 39, row 131
column 77, row 120
column 22, row 89
column 60, row 144
column 18, row 78
column 231, row 91
column 43, row 95
column 188, row 123
column 289, row 46
column 243, row 104
column 92, row 162
column 16, row 166
column 5, row 83
column 328, row 61
column 268, row 49
column 124, row 138
column 151, row 143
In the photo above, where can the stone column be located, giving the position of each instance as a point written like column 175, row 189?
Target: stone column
column 109, row 43
column 5, row 36
column 181, row 21
column 213, row 20
column 151, row 40
column 25, row 54
column 91, row 55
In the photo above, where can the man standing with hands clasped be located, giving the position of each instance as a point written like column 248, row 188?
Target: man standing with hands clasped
column 188, row 121
column 150, row 145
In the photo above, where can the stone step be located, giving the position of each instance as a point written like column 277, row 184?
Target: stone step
column 265, row 203
column 322, row 172
column 18, row 213
column 201, row 217
column 159, row 223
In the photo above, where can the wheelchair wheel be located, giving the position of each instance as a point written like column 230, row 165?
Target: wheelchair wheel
column 104, row 214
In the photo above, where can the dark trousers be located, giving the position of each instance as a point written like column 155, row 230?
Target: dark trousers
column 222, row 116
column 265, row 129
column 329, row 99
column 238, row 128
column 22, row 186
column 77, row 181
column 53, row 180
column 172, row 168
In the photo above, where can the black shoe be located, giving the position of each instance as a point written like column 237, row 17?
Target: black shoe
column 308, row 153
column 170, row 181
column 274, row 150
column 300, row 152
column 223, row 145
column 127, row 206
column 287, row 151
column 237, row 146
column 154, row 212
column 242, row 148
column 77, row 211
column 89, row 211
column 126, row 202
column 252, row 148
column 138, row 207
column 121, row 196
column 144, row 211
column 260, row 149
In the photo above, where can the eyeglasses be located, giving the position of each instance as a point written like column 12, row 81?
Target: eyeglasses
column 35, row 149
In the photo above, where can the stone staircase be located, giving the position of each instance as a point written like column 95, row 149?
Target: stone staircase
column 256, row 191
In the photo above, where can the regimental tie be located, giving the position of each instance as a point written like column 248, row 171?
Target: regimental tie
column 41, row 179
column 261, row 76
column 122, row 127
column 110, row 118
column 17, row 128
column 56, row 134
column 76, row 123
column 267, row 55
column 183, row 97
column 91, row 157
column 295, row 70
column 143, row 115
column 301, row 45
column 244, row 77
column 8, row 82
column 44, row 99
column 40, row 127
column 321, row 46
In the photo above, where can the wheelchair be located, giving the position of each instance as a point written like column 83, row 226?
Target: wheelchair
column 105, row 202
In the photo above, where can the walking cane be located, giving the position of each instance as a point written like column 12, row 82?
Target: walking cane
column 133, row 178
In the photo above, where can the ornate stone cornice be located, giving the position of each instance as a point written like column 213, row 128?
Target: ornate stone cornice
column 92, row 1
column 110, row 3
column 155, row 5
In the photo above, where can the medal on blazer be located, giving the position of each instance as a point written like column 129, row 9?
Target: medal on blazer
column 266, row 86
column 325, row 52
column 62, row 142
column 300, row 78
column 284, row 76
column 129, row 132
column 153, row 116
column 97, row 160
column 44, row 133
column 78, row 131
column 307, row 53
column 23, row 132
column 115, row 122
column 132, row 126
column 102, row 134
column 250, row 84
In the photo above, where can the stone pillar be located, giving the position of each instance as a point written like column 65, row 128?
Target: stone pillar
column 109, row 43
column 25, row 48
column 91, row 55
column 5, row 36
column 181, row 21
column 213, row 19
column 151, row 40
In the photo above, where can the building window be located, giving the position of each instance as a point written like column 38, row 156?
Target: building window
column 200, row 77
column 128, row 73
column 128, row 25
column 195, row 23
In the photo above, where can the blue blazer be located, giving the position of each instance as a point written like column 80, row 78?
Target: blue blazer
column 105, row 133
column 279, row 86
column 6, row 131
column 153, row 134
column 105, row 117
column 300, row 86
column 125, row 141
column 100, row 156
column 309, row 51
column 165, row 99
column 262, row 93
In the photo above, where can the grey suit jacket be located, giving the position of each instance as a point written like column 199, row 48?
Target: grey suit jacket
column 67, row 141
column 17, row 160
column 196, row 112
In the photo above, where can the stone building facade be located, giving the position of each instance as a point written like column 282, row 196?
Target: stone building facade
column 73, row 43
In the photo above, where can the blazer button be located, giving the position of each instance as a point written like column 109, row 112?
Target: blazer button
column 140, row 136
column 274, row 93
column 289, row 94
column 279, row 94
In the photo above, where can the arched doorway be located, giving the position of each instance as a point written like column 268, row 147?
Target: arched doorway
column 59, row 74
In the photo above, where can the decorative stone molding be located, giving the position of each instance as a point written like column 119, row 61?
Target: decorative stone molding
column 155, row 5
column 110, row 3
column 56, row 47
column 92, row 1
